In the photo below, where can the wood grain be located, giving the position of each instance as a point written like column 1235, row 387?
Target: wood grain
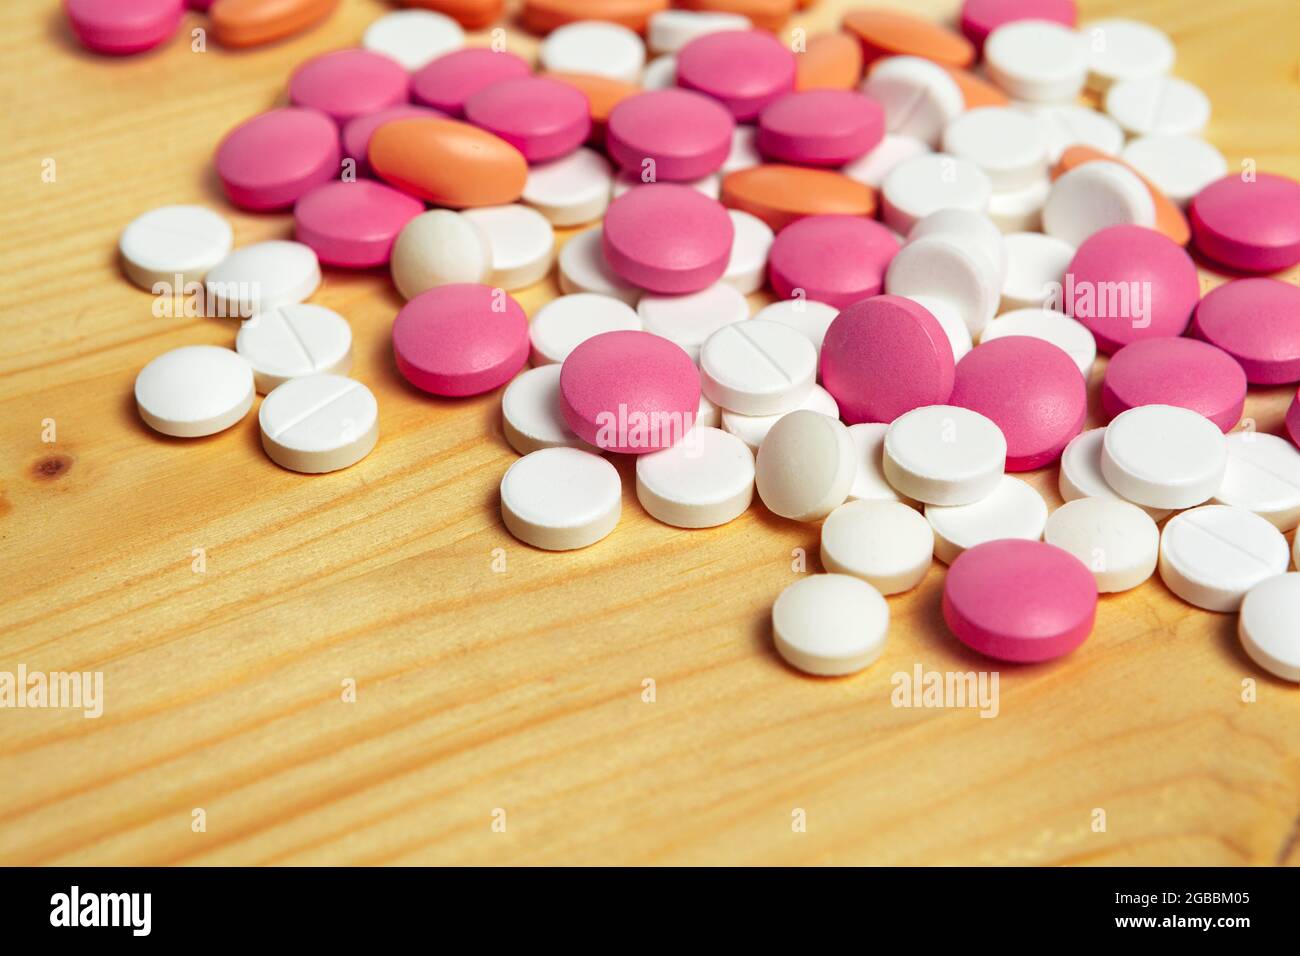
column 519, row 690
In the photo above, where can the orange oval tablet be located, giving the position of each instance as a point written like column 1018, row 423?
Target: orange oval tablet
column 448, row 162
column 779, row 195
column 543, row 16
column 891, row 33
column 471, row 14
column 254, row 22
column 603, row 94
column 831, row 61
column 764, row 14
column 976, row 90
column 1169, row 218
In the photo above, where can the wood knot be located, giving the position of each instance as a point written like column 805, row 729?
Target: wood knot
column 51, row 467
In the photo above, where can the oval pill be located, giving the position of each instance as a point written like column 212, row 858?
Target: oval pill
column 243, row 23
column 894, row 33
column 448, row 163
column 357, row 131
column 122, row 27
column 829, row 61
column 780, row 194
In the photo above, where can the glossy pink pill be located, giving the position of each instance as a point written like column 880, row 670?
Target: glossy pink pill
column 1128, row 283
column 884, row 356
column 1031, row 389
column 820, row 127
column 833, row 259
column 357, row 132
column 743, row 69
column 667, row 238
column 686, row 135
column 1252, row 226
column 346, row 84
column 353, row 224
column 271, row 160
column 460, row 339
column 1018, row 600
column 979, row 18
column 1293, row 420
column 1183, row 372
column 447, row 82
column 1257, row 322
column 629, row 392
column 122, row 27
column 542, row 118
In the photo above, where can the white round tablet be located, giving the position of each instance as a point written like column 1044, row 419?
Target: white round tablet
column 944, row 455
column 1158, row 104
column 1067, row 124
column 1263, row 476
column 810, row 317
column 293, row 341
column 194, row 390
column 830, row 624
column 1036, row 266
column 1013, row 510
column 1036, row 60
column 1179, row 166
column 805, row 466
column 260, row 277
column 563, row 324
column 661, row 74
column 1121, row 49
column 1004, row 142
column 961, row 275
column 710, row 185
column 1071, row 337
column 749, row 248
column 1116, row 540
column 1020, row 210
column 559, row 499
column 1267, row 627
column 1213, row 555
column 583, row 268
column 1080, row 475
column 752, row 429
column 572, row 190
column 1092, row 197
column 530, row 412
column 965, row 227
column 690, row 319
column 885, row 543
column 919, row 96
column 594, row 46
column 892, row 150
column 869, row 482
column 171, row 241
column 706, row 479
column 1163, row 456
column 744, row 153
column 930, row 182
column 522, row 243
column 439, row 247
column 319, row 423
column 947, row 315
column 758, row 367
column 707, row 414
column 413, row 37
column 669, row 30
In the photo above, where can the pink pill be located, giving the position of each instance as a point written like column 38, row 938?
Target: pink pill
column 271, row 160
column 1128, row 283
column 979, row 18
column 460, row 339
column 1257, row 322
column 1183, row 372
column 667, row 238
column 884, row 356
column 1252, row 226
column 353, row 224
column 1018, row 600
column 743, row 69
column 687, row 135
column 346, row 84
column 629, row 392
column 820, row 127
column 1293, row 420
column 833, row 259
column 122, row 27
column 357, row 132
column 1031, row 389
column 447, row 82
column 542, row 118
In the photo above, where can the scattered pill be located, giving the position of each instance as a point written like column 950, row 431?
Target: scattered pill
column 1263, row 476
column 834, row 259
column 660, row 73
column 559, row 499
column 829, row 61
column 1013, row 510
column 820, row 127
column 1251, row 225
column 461, row 339
column 885, row 543
column 769, row 15
column 357, row 132
column 1121, row 49
column 1093, row 197
column 744, row 70
column 414, row 37
column 918, row 96
column 1117, row 541
column 869, row 483
column 564, row 323
column 830, row 625
column 950, row 319
column 1212, row 556
column 894, row 33
column 1081, row 476
column 603, row 93
column 542, row 118
column 451, row 79
column 930, row 182
column 348, row 83
column 319, row 423
column 757, row 367
column 1267, row 626
column 944, row 455
column 968, row 228
column 448, row 163
column 543, row 16
column 1007, row 144
column 593, row 46
column 583, row 269
column 1037, row 61
column 1169, row 219
column 123, row 27
column 171, row 241
column 961, row 275
column 743, row 153
column 1175, row 371
column 522, row 243
column 747, row 266
column 752, row 429
column 677, row 134
column 570, row 191
column 439, row 247
column 689, row 320
column 1158, row 104
column 244, row 23
column 810, row 317
column 1179, row 166
column 353, row 224
column 979, row 18
column 975, row 90
column 892, row 150
column 667, row 238
column 269, row 161
column 1020, row 210
column 1067, row 124
column 1257, row 322
column 194, row 390
column 292, row 341
column 780, row 194
column 705, row 480
column 1065, row 333
column 805, row 466
column 670, row 30
column 1161, row 456
column 1036, row 265
column 262, row 276
column 530, row 412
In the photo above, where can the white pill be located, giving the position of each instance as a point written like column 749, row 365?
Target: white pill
column 530, row 412
column 1081, row 477
column 583, row 269
column 1263, row 476
column 1065, row 125
column 930, row 182
column 564, row 323
column 1213, row 555
column 810, row 317
column 559, row 499
column 1037, row 61
column 1158, row 104
column 707, row 414
column 594, row 46
column 522, row 243
column 805, row 466
column 1267, row 627
column 439, row 247
column 919, row 96
column 1094, row 196
column 710, row 185
column 949, row 318
column 749, row 248
column 960, row 275
column 570, row 191
column 262, row 276
column 1036, row 265
column 690, row 319
column 1013, row 510
column 869, row 482
column 885, row 543
column 1006, row 143
column 660, row 73
column 1162, row 456
column 1071, row 337
column 161, row 244
column 1116, row 540
column 1121, row 49
column 1179, row 166
column 413, row 37
column 830, row 624
column 293, row 341
column 744, row 153
column 891, row 151
column 670, row 30
column 194, row 390
column 965, row 227
column 1020, row 210
column 319, row 423
column 758, row 367
column 752, row 429
column 705, row 480
column 944, row 455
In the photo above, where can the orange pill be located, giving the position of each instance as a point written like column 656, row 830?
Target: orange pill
column 831, row 61
column 1169, row 218
column 603, row 94
column 254, row 22
column 976, row 90
column 471, row 14
column 764, row 14
column 543, row 16
column 890, row 33
column 448, row 162
column 779, row 195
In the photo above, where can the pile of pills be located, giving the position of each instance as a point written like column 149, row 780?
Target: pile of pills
column 954, row 237
column 125, row 27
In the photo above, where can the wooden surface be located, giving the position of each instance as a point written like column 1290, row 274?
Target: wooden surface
column 518, row 690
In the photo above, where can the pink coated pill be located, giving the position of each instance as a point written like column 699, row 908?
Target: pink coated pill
column 269, row 161
column 884, row 356
column 542, row 118
column 979, row 18
column 820, row 127
column 346, row 84
column 630, row 392
column 667, row 238
column 1127, row 283
column 1019, row 600
column 448, row 81
column 357, row 132
column 1183, row 372
column 833, row 259
column 743, row 69
column 121, row 27
column 686, row 135
column 460, row 339
column 1031, row 389
column 1251, row 226
column 1257, row 322
column 1293, row 420
column 353, row 224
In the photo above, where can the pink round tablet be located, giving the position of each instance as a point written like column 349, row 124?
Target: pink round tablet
column 458, row 340
column 1257, row 322
column 448, row 81
column 667, row 238
column 357, row 132
column 353, row 224
column 1018, row 600
column 1127, row 283
column 833, row 259
column 820, row 127
column 346, row 84
column 1293, row 420
column 269, row 161
column 743, row 69
column 687, row 135
column 1251, row 226
column 979, row 18
column 630, row 392
column 1031, row 389
column 542, row 118
column 1183, row 372
column 122, row 27
column 884, row 356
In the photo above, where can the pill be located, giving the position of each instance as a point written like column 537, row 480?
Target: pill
column 891, row 151
column 1067, row 124
column 1081, row 477
column 830, row 625
column 757, row 367
column 603, row 93
column 833, row 259
column 122, row 27
column 780, row 194
column 707, row 415
column 1179, row 166
column 439, row 247
column 1037, row 61
column 745, row 70
column 1257, row 322
column 267, row 162
column 542, row 118
column 975, row 90
column 752, row 429
column 1013, row 510
column 1175, row 371
column 705, row 480
column 1158, row 104
column 895, row 33
column 470, row 14
column 582, row 268
column 869, row 482
column 979, row 18
column 670, row 30
column 543, row 16
column 1122, row 49
column 1251, row 225
column 1267, row 626
column 1162, row 456
column 968, row 228
column 918, row 96
column 292, row 341
column 805, row 466
column 1007, row 144
column 564, row 323
column 1169, row 218
column 1036, row 265
column 522, row 243
column 769, row 15
column 961, row 275
column 461, row 339
column 885, row 543
column 244, row 23
column 1021, row 601
column 594, row 46
column 172, row 241
column 194, row 390
column 810, row 317
column 1093, row 197
column 319, row 423
column 747, row 265
column 941, row 454
column 559, row 499
column 674, row 134
column 530, row 412
column 447, row 81
column 1020, row 210
column 660, row 73
column 448, row 163
column 928, row 183
column 1263, row 476
column 820, row 127
column 357, row 131
column 1212, row 556
column 414, row 37
column 1117, row 541
column 353, row 224
column 954, row 327
column 667, row 238
column 262, row 276
column 570, row 191
column 348, row 83
column 1065, row 333
column 829, row 61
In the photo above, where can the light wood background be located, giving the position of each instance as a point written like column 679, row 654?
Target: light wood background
column 519, row 691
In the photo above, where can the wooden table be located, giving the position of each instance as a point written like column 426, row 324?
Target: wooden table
column 496, row 683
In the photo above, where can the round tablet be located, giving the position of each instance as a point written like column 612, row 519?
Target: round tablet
column 805, row 466
column 829, row 61
column 1182, row 372
column 353, row 224
column 660, row 73
column 1179, row 166
column 1213, row 555
column 262, row 276
column 1263, row 476
column 893, row 150
column 439, row 247
column 869, row 482
column 1252, row 225
column 830, row 624
column 1067, row 124
column 451, row 79
column 706, row 479
column 667, row 238
column 667, row 31
column 572, row 190
column 681, row 134
column 820, row 127
column 930, row 182
column 348, row 83
column 960, row 274
column 564, row 323
column 268, row 161
column 1006, row 143
column 1267, row 625
column 122, row 27
column 1158, row 104
column 594, row 46
column 753, row 240
column 357, row 131
column 744, row 70
column 944, row 455
column 1117, row 541
column 1019, row 210
column 953, row 325
column 319, row 423
column 833, row 259
column 1081, row 477
column 173, row 242
column 413, row 37
column 752, row 429
column 522, row 243
column 292, row 341
column 1037, row 61
column 757, row 367
column 194, row 390
column 1164, row 457
column 1066, row 334
column 885, row 543
column 460, row 339
column 1094, row 196
column 965, row 227
column 1013, row 510
column 743, row 153
column 1257, row 322
column 1121, row 49
column 808, row 316
column 919, row 97
column 1169, row 219
column 1022, row 601
column 530, row 412
column 1036, row 265
column 583, row 269
column 689, row 320
column 542, row 118
column 979, row 18
column 559, row 499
